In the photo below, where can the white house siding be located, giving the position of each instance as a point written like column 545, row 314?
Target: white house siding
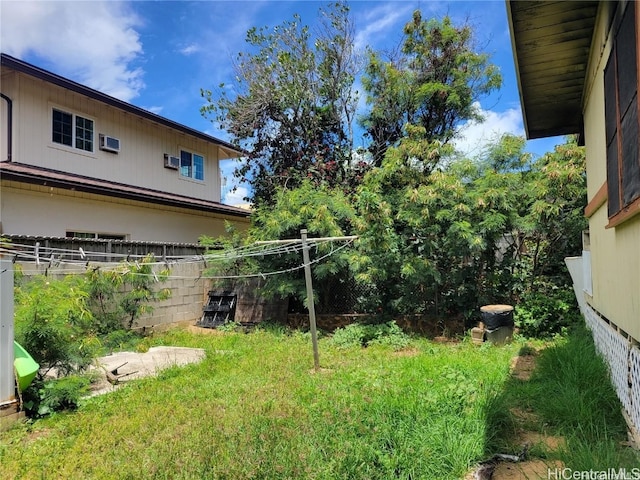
column 143, row 142
column 615, row 252
column 42, row 211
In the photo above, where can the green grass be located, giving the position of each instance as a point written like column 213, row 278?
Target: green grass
column 569, row 395
column 254, row 408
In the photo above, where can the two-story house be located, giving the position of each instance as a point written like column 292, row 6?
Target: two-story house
column 578, row 66
column 75, row 162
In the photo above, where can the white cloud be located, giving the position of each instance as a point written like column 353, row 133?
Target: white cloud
column 378, row 22
column 93, row 43
column 236, row 197
column 232, row 192
column 154, row 109
column 474, row 136
column 189, row 49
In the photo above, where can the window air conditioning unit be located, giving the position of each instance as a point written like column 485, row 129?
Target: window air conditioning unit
column 109, row 144
column 171, row 162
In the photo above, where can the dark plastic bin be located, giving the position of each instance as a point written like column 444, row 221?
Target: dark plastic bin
column 496, row 316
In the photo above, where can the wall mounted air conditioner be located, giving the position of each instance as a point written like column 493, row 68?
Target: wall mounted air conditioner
column 109, row 144
column 171, row 162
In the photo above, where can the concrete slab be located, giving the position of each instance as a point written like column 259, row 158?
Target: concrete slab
column 127, row 366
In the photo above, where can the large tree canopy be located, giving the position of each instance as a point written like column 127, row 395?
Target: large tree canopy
column 432, row 85
column 292, row 104
column 440, row 238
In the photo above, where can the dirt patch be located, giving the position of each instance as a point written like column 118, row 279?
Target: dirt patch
column 203, row 331
column 407, row 352
column 523, row 366
column 446, row 340
column 532, row 439
column 529, row 470
column 524, row 417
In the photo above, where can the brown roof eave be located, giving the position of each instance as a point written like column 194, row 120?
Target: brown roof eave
column 34, row 178
column 551, row 42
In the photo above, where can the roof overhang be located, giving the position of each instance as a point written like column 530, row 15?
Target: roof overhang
column 52, row 178
column 227, row 149
column 551, row 43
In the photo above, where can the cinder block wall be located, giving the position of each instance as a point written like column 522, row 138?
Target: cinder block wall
column 188, row 297
column 188, row 292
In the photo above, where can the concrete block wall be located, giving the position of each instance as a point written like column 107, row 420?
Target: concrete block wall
column 188, row 292
column 189, row 295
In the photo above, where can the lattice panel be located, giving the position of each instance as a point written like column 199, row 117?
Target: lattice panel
column 615, row 349
column 634, row 365
column 618, row 358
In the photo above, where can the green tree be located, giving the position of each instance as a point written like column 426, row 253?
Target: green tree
column 476, row 231
column 292, row 105
column 432, row 84
column 322, row 210
column 552, row 230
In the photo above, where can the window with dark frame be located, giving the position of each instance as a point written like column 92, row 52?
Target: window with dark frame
column 72, row 130
column 191, row 165
column 621, row 116
column 62, row 127
column 94, row 235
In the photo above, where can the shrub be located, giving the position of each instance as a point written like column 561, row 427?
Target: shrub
column 121, row 339
column 547, row 311
column 357, row 334
column 53, row 323
column 43, row 398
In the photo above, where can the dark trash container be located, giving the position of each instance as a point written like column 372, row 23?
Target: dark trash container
column 496, row 316
column 498, row 323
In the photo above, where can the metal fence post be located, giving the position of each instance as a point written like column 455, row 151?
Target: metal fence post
column 7, row 380
column 310, row 302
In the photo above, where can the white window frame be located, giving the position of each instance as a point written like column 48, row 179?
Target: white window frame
column 191, row 168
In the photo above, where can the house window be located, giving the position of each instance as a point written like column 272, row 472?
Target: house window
column 621, row 119
column 72, row 130
column 94, row 235
column 191, row 165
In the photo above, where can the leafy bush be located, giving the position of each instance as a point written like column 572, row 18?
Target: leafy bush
column 547, row 311
column 121, row 339
column 119, row 296
column 54, row 324
column 361, row 335
column 44, row 398
column 64, row 323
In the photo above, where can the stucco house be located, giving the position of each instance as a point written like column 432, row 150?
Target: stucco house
column 75, row 162
column 578, row 67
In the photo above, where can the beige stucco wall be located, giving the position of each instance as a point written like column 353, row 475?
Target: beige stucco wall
column 143, row 143
column 35, row 210
column 615, row 252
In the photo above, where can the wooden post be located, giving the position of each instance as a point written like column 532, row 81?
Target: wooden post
column 7, row 379
column 310, row 302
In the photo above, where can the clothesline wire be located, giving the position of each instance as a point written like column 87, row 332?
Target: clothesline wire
column 294, row 247
column 48, row 254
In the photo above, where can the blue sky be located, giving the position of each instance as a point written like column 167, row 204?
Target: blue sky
column 158, row 55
